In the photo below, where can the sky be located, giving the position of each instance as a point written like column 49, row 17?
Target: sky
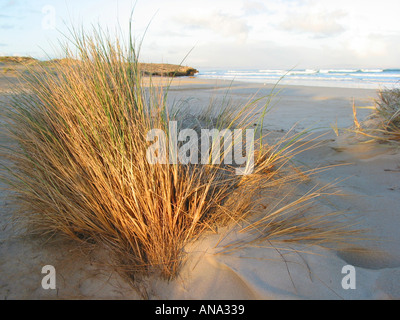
column 238, row 34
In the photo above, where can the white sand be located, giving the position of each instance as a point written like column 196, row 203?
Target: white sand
column 253, row 273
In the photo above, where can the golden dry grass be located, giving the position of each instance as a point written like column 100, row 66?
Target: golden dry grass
column 384, row 123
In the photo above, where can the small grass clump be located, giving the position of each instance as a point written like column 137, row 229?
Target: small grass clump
column 388, row 109
column 384, row 123
column 78, row 165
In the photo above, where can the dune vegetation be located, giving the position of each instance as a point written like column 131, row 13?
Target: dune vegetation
column 384, row 122
column 388, row 109
column 78, row 165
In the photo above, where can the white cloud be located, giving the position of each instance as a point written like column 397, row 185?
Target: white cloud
column 318, row 24
column 372, row 45
column 254, row 7
column 9, row 4
column 223, row 24
column 283, row 33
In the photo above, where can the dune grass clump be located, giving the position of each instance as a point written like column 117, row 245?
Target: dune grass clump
column 388, row 109
column 79, row 167
column 384, row 123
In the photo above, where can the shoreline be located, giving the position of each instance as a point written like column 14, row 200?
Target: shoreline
column 191, row 80
column 377, row 79
column 309, row 106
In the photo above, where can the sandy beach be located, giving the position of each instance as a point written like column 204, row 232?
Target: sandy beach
column 369, row 180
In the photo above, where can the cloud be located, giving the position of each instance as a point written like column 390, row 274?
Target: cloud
column 371, row 45
column 9, row 4
column 322, row 24
column 6, row 26
column 253, row 7
column 220, row 23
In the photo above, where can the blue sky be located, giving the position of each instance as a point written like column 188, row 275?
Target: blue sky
column 224, row 33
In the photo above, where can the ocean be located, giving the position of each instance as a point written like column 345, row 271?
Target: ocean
column 343, row 78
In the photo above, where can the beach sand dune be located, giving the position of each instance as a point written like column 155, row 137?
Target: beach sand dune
column 272, row 271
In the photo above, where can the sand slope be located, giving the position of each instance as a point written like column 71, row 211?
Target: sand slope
column 269, row 273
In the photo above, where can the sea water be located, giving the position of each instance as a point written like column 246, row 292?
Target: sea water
column 343, row 78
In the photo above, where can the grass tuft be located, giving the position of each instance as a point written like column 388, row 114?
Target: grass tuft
column 384, row 123
column 388, row 109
